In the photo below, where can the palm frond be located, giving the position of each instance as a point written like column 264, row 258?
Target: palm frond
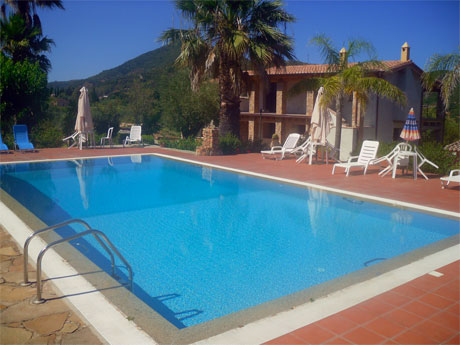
column 310, row 84
column 328, row 51
column 382, row 88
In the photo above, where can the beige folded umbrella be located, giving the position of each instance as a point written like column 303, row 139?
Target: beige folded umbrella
column 84, row 122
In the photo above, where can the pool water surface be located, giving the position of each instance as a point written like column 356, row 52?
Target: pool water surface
column 204, row 243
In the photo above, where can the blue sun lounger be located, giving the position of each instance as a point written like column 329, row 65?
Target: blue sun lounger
column 21, row 138
column 3, row 147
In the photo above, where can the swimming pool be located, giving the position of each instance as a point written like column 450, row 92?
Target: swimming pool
column 205, row 243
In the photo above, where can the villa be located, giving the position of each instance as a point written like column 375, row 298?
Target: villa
column 269, row 110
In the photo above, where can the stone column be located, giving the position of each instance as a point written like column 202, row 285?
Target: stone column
column 210, row 145
column 254, row 95
column 279, row 129
column 251, row 130
column 310, row 99
column 281, row 98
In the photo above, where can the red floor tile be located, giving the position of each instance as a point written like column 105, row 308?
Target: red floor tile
column 403, row 318
column 410, row 338
column 336, row 324
column 436, row 301
column 385, row 327
column 434, row 331
column 361, row 335
column 313, row 334
column 409, row 291
column 454, row 340
column 455, row 309
column 448, row 320
column 420, row 309
column 448, row 292
column 338, row 341
column 428, row 282
column 376, row 306
column 356, row 315
column 394, row 299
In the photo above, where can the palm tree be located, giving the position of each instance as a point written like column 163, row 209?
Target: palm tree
column 225, row 34
column 446, row 69
column 20, row 42
column 346, row 78
column 27, row 9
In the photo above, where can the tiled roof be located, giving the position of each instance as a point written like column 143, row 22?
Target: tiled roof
column 322, row 68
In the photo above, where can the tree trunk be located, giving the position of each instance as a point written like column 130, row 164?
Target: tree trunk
column 338, row 125
column 229, row 113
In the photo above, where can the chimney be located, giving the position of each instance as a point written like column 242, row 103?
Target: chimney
column 405, row 52
column 342, row 54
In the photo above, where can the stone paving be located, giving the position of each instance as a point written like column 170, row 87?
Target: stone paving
column 21, row 321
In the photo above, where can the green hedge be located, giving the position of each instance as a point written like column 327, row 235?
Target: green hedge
column 189, row 144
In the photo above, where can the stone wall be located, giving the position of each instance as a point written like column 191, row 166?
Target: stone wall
column 210, row 145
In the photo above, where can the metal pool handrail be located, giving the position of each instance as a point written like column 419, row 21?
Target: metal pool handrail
column 96, row 233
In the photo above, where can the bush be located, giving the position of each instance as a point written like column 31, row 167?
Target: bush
column 252, row 146
column 435, row 152
column 189, row 144
column 432, row 150
column 148, row 139
column 47, row 134
column 230, row 144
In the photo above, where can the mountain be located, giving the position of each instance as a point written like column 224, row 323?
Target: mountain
column 144, row 66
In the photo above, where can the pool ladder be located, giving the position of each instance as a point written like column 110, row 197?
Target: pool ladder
column 98, row 235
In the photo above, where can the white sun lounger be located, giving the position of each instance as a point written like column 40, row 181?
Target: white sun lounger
column 366, row 155
column 454, row 176
column 280, row 151
column 134, row 136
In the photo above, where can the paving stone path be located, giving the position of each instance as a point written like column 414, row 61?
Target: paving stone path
column 21, row 321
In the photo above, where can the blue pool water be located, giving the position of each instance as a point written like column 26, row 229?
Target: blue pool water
column 205, row 243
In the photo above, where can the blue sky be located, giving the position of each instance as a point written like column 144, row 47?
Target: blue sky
column 92, row 36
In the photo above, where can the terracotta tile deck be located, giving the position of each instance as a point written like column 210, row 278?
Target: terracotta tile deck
column 398, row 316
column 425, row 310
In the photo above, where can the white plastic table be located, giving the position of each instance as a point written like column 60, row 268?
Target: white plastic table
column 405, row 154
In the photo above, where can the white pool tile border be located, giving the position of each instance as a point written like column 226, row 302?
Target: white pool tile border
column 114, row 327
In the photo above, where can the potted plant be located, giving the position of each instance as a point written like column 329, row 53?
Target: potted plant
column 275, row 140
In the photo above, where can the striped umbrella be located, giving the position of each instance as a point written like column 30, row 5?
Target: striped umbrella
column 410, row 130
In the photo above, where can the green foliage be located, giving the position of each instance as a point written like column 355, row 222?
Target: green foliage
column 184, row 110
column 451, row 129
column 148, row 139
column 21, row 42
column 229, row 144
column 142, row 105
column 189, row 144
column 225, row 35
column 106, row 114
column 435, row 152
column 252, row 146
column 432, row 150
column 47, row 134
column 23, row 93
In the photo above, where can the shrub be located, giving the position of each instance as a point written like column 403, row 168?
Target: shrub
column 252, row 146
column 435, row 152
column 47, row 134
column 229, row 144
column 148, row 139
column 189, row 144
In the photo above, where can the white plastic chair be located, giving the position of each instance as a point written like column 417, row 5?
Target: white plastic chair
column 74, row 138
column 135, row 136
column 422, row 159
column 288, row 147
column 366, row 155
column 108, row 137
column 390, row 159
column 454, row 176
